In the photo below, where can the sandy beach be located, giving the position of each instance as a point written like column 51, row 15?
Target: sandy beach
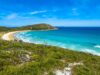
column 10, row 35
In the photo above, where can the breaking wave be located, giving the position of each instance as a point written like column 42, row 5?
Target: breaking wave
column 86, row 50
column 33, row 38
column 97, row 46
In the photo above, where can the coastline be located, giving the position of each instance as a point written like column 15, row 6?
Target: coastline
column 18, row 50
column 67, row 70
column 10, row 35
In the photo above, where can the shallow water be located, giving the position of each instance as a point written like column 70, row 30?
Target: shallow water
column 86, row 39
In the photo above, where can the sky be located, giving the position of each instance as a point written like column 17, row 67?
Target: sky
column 55, row 12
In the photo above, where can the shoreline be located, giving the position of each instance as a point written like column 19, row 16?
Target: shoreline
column 10, row 35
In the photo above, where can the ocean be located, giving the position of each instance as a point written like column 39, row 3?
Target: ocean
column 85, row 39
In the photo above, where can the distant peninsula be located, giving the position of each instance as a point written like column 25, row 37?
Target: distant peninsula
column 42, row 26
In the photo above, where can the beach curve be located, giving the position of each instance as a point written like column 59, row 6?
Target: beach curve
column 10, row 35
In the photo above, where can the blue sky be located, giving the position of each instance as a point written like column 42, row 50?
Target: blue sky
column 55, row 12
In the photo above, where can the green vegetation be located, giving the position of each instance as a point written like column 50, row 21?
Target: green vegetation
column 4, row 28
column 42, row 26
column 19, row 58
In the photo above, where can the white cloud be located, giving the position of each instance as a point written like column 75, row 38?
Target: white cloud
column 19, row 21
column 74, row 9
column 11, row 16
column 44, row 15
column 37, row 12
column 74, row 12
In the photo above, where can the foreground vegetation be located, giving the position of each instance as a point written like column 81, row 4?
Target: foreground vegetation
column 18, row 58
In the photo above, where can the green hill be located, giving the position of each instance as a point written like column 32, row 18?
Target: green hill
column 41, row 26
column 2, row 28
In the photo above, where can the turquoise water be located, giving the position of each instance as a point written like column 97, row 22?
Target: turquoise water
column 86, row 39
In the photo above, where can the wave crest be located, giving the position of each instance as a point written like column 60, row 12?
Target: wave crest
column 86, row 50
column 97, row 46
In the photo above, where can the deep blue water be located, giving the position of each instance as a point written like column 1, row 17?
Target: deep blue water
column 86, row 39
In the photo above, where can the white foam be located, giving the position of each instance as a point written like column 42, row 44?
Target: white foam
column 36, row 40
column 97, row 46
column 86, row 50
